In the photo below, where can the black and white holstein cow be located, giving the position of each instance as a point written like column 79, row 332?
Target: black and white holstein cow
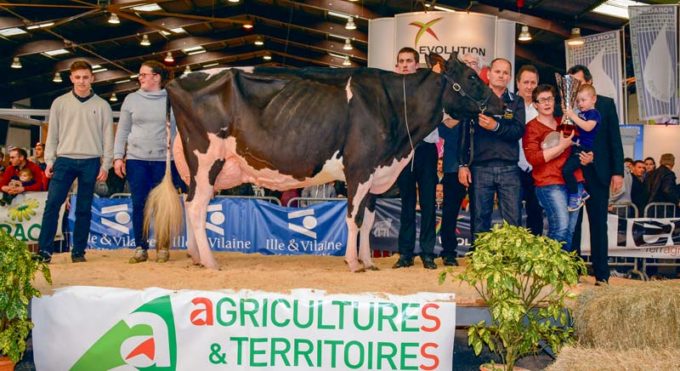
column 287, row 128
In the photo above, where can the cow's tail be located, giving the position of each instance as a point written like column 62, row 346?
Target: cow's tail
column 163, row 205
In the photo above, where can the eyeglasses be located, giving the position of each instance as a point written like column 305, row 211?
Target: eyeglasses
column 146, row 74
column 545, row 100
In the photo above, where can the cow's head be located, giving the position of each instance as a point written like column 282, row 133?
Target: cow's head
column 466, row 94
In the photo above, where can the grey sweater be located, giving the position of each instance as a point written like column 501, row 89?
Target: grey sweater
column 80, row 130
column 141, row 127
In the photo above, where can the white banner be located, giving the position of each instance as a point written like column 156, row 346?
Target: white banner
column 601, row 53
column 94, row 328
column 654, row 46
column 440, row 32
column 22, row 218
column 653, row 238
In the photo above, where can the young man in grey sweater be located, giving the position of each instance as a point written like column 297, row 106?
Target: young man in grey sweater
column 79, row 146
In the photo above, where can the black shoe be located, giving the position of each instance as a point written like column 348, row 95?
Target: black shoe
column 449, row 261
column 78, row 259
column 403, row 263
column 43, row 257
column 602, row 283
column 428, row 263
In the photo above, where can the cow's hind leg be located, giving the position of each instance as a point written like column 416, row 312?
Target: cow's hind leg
column 356, row 204
column 192, row 249
column 197, row 210
column 365, row 233
column 351, row 249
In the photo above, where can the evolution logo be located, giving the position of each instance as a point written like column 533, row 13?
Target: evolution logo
column 425, row 27
column 121, row 217
column 308, row 222
column 144, row 340
column 215, row 219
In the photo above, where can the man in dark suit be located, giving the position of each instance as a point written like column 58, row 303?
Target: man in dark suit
column 604, row 173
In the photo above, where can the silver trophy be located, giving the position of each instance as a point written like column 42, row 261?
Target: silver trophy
column 568, row 88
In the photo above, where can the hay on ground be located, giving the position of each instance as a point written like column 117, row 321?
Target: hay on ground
column 588, row 359
column 620, row 318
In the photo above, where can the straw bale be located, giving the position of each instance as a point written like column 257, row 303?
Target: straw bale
column 589, row 359
column 620, row 318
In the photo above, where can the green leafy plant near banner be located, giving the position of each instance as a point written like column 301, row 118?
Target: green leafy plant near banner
column 17, row 270
column 523, row 279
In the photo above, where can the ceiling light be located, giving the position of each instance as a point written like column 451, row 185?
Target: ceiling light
column 339, row 15
column 248, row 25
column 350, row 24
column 16, row 63
column 348, row 45
column 39, row 25
column 113, row 19
column 267, row 57
column 187, row 70
column 145, row 41
column 575, row 39
column 147, row 8
column 444, row 9
column 100, row 69
column 616, row 8
column 192, row 49
column 211, row 65
column 57, row 78
column 196, row 52
column 122, row 81
column 178, row 30
column 347, row 62
column 52, row 53
column 234, row 1
column 113, row 98
column 524, row 35
column 259, row 41
column 169, row 58
column 12, row 31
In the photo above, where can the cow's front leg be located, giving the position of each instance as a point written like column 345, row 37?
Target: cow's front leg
column 197, row 211
column 351, row 248
column 364, row 240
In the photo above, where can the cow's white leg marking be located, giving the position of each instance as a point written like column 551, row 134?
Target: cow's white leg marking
column 364, row 240
column 352, row 228
column 197, row 211
column 191, row 243
column 348, row 91
column 351, row 251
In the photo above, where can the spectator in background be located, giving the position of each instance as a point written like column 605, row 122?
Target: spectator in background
column 661, row 184
column 628, row 164
column 79, row 146
column 19, row 161
column 39, row 157
column 650, row 166
column 638, row 192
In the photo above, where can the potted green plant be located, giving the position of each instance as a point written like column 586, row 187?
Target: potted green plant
column 524, row 281
column 17, row 270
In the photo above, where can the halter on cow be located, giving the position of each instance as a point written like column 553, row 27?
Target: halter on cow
column 282, row 128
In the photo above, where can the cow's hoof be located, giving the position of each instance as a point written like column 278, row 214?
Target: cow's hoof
column 212, row 266
column 355, row 266
column 372, row 268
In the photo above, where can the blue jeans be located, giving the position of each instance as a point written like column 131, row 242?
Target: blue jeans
column 488, row 181
column 561, row 222
column 142, row 176
column 66, row 170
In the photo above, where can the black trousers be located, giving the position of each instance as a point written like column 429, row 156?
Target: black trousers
column 424, row 175
column 532, row 207
column 454, row 193
column 597, row 219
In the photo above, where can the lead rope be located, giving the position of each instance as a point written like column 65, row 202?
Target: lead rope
column 408, row 132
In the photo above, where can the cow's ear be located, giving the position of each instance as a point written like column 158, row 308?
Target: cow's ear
column 436, row 62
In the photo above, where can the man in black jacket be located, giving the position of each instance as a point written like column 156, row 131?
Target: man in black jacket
column 604, row 173
column 660, row 185
column 489, row 153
